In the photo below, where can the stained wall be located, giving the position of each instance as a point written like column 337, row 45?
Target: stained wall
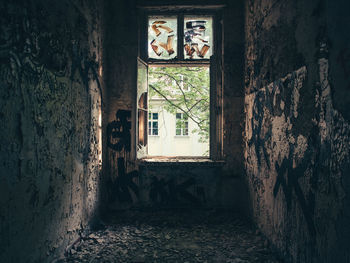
column 50, row 100
column 297, row 136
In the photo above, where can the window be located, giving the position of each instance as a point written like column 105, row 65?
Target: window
column 153, row 123
column 180, row 51
column 181, row 124
column 196, row 33
column 162, row 37
column 181, row 85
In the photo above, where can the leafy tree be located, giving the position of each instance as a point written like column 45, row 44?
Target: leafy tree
column 184, row 89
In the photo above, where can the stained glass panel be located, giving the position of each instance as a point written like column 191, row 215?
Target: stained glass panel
column 198, row 37
column 162, row 37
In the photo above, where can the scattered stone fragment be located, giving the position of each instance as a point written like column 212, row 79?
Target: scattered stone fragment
column 170, row 237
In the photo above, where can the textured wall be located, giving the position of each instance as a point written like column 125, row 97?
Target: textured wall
column 50, row 53
column 160, row 185
column 121, row 47
column 233, row 92
column 297, row 135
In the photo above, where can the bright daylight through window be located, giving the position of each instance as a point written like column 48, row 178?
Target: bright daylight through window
column 180, row 96
column 177, row 63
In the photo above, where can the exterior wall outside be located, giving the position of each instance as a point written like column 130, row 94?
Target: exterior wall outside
column 167, row 143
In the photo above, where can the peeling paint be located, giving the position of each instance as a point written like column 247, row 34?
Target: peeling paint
column 297, row 145
column 49, row 109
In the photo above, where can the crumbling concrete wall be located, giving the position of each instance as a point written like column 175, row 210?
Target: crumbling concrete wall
column 50, row 98
column 297, row 132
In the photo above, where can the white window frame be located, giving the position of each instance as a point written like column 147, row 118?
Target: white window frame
column 151, row 121
column 182, row 129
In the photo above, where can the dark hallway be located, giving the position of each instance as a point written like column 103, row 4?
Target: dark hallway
column 174, row 131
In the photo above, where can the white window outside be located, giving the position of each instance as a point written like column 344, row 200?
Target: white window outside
column 153, row 123
column 181, row 124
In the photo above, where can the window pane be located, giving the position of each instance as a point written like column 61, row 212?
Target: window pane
column 183, row 139
column 155, row 131
column 198, row 37
column 155, row 116
column 162, row 37
column 155, row 125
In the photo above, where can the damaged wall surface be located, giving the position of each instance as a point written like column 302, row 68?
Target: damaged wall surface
column 159, row 185
column 297, row 139
column 50, row 98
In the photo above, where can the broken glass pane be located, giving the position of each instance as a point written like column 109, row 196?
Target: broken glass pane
column 162, row 37
column 198, row 37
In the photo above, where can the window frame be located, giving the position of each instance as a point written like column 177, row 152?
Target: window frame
column 180, row 14
column 152, row 121
column 215, row 63
column 181, row 128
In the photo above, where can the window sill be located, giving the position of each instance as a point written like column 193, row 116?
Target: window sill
column 182, row 136
column 183, row 161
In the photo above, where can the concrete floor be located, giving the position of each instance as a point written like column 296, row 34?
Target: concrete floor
column 168, row 236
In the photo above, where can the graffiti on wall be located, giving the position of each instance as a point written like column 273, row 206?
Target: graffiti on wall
column 49, row 96
column 118, row 132
column 270, row 118
column 45, row 61
column 170, row 192
column 287, row 180
column 124, row 187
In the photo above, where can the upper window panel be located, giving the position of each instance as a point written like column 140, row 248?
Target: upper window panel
column 162, row 37
column 198, row 37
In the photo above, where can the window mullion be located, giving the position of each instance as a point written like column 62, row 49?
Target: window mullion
column 180, row 36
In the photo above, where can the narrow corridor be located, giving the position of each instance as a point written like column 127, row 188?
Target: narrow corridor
column 173, row 237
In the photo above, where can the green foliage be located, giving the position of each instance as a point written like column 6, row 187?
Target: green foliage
column 184, row 89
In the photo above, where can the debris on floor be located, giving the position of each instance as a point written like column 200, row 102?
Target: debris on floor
column 169, row 237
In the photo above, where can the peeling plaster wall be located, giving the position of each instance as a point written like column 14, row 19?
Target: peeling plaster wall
column 297, row 132
column 50, row 96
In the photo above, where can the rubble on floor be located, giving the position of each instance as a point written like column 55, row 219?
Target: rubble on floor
column 167, row 237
